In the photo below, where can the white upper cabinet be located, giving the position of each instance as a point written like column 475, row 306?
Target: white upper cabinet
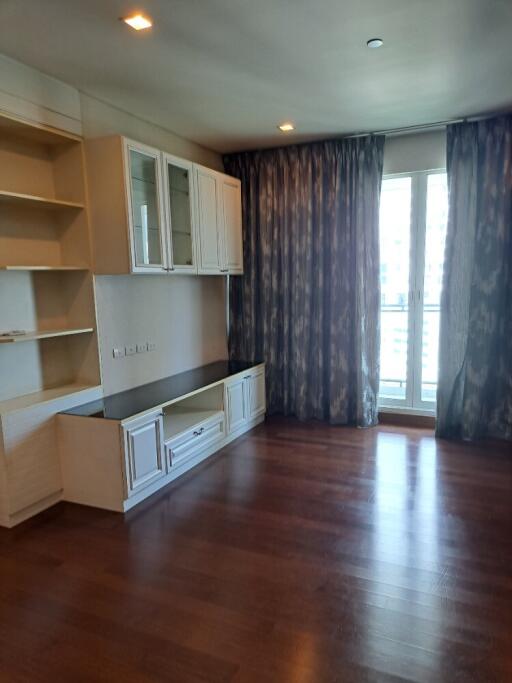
column 231, row 223
column 181, row 219
column 220, row 222
column 148, row 239
column 155, row 213
column 209, row 220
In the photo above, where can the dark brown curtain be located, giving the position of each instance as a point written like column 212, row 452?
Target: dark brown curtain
column 308, row 302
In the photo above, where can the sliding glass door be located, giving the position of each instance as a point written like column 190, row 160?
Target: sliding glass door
column 413, row 212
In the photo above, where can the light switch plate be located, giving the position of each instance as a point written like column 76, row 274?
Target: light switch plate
column 118, row 352
column 130, row 350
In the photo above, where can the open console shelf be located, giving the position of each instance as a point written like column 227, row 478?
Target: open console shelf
column 180, row 420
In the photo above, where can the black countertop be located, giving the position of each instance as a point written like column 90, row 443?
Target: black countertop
column 134, row 401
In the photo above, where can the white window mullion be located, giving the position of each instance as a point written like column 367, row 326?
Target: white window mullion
column 418, row 268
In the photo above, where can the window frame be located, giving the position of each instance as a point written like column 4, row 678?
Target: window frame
column 413, row 404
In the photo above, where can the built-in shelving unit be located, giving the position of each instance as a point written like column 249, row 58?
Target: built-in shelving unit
column 46, row 283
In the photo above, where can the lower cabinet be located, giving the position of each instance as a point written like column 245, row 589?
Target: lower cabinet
column 115, row 464
column 144, row 451
column 244, row 399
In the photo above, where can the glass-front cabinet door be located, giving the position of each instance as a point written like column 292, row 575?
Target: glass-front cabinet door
column 148, row 243
column 180, row 209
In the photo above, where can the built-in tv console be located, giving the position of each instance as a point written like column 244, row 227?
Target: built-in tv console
column 118, row 450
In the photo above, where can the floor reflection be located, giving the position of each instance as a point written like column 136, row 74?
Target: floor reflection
column 405, row 553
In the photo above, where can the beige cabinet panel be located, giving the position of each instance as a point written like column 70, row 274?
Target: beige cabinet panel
column 236, row 404
column 232, row 224
column 257, row 400
column 210, row 244
column 144, row 452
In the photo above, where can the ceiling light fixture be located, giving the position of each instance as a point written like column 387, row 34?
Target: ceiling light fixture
column 286, row 127
column 374, row 43
column 137, row 21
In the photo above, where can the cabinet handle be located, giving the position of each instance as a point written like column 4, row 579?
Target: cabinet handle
column 198, row 432
column 247, row 377
column 224, row 270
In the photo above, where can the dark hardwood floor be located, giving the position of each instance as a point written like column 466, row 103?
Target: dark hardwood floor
column 301, row 553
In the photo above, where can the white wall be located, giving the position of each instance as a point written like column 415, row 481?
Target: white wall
column 183, row 315
column 415, row 152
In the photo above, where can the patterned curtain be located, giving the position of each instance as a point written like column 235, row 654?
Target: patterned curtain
column 308, row 303
column 474, row 397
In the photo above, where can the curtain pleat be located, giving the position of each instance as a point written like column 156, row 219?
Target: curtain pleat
column 474, row 398
column 309, row 300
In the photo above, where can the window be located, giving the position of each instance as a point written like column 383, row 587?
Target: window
column 413, row 213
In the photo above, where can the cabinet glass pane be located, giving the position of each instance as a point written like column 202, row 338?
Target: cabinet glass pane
column 146, row 219
column 181, row 220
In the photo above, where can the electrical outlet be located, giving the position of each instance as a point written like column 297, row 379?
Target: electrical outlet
column 151, row 346
column 142, row 348
column 130, row 350
column 118, row 352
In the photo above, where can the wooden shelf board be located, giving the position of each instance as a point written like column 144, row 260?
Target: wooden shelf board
column 178, row 420
column 35, row 200
column 44, row 396
column 35, row 132
column 6, row 267
column 44, row 334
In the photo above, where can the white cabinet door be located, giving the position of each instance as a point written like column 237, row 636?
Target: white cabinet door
column 210, row 240
column 231, row 198
column 144, row 451
column 257, row 400
column 179, row 192
column 236, row 404
column 147, row 224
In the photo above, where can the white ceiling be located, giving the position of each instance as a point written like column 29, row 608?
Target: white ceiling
column 224, row 73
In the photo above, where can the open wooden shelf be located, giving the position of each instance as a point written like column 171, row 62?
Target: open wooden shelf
column 42, row 268
column 43, row 396
column 35, row 200
column 35, row 132
column 43, row 334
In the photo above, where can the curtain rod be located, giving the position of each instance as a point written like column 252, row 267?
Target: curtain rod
column 425, row 126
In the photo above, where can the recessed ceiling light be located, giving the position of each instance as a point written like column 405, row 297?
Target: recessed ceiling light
column 138, row 21
column 374, row 43
column 286, row 127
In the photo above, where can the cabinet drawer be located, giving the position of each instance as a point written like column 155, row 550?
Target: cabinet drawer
column 194, row 440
